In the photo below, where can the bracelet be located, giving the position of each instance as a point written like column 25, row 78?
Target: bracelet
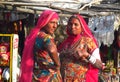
column 92, row 59
column 88, row 58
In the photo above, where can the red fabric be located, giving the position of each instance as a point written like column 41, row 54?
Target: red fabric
column 27, row 57
column 92, row 74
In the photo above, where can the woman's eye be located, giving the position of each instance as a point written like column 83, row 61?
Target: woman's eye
column 76, row 24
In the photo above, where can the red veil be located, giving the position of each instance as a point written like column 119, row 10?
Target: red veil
column 92, row 74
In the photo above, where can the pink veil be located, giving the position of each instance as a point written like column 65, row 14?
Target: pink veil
column 27, row 61
column 92, row 74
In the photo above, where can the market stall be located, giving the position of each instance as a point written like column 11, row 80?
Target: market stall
column 8, row 57
column 102, row 16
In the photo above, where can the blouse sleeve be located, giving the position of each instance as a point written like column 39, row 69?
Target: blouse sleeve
column 42, row 40
column 96, row 54
column 47, row 40
column 93, row 49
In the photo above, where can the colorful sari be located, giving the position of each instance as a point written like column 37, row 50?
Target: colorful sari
column 27, row 62
column 72, row 68
column 43, row 71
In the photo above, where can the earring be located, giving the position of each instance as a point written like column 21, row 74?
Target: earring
column 82, row 33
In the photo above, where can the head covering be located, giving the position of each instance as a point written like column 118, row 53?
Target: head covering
column 92, row 74
column 27, row 61
column 86, row 31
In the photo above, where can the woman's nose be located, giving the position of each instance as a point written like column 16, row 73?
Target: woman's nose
column 55, row 25
column 72, row 26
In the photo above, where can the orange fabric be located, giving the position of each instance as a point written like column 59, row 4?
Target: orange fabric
column 92, row 73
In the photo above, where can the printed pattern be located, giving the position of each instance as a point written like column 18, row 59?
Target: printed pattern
column 73, row 69
column 43, row 62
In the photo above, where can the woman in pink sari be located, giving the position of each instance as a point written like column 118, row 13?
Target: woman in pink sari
column 40, row 61
column 79, row 53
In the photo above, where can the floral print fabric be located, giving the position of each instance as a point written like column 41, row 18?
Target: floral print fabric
column 43, row 61
column 72, row 68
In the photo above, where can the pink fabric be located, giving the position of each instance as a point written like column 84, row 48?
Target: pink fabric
column 92, row 74
column 27, row 61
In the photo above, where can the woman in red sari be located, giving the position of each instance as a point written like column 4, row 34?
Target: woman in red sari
column 40, row 61
column 79, row 53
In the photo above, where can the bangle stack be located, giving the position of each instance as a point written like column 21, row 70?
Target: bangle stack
column 88, row 57
column 91, row 59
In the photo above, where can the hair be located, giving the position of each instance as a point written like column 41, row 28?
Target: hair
column 73, row 16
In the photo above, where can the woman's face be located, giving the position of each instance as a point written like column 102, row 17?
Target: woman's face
column 51, row 26
column 74, row 26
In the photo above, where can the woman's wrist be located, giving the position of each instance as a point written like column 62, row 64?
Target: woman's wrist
column 57, row 66
column 91, row 59
column 88, row 57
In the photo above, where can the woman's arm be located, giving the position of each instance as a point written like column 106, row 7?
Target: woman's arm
column 93, row 58
column 52, row 50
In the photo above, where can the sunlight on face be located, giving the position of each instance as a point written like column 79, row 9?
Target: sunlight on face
column 51, row 26
column 74, row 26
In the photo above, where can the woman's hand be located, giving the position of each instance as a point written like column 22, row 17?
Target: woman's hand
column 81, row 52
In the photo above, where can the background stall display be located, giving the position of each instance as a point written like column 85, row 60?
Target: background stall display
column 8, row 57
column 110, row 55
column 4, row 54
